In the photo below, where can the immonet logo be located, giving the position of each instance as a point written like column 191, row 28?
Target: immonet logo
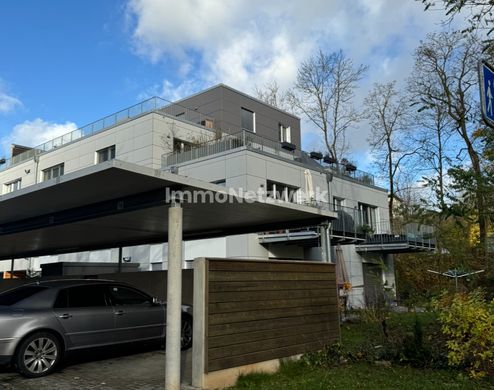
column 231, row 195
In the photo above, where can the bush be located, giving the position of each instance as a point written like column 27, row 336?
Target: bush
column 468, row 323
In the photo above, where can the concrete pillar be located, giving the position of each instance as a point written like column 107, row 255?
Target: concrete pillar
column 199, row 323
column 174, row 298
column 12, row 268
column 120, row 258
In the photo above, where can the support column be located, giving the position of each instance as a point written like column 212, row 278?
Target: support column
column 174, row 298
column 120, row 254
column 12, row 268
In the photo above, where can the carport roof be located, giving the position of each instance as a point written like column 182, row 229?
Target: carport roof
column 121, row 204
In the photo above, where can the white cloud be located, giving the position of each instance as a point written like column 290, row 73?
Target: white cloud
column 8, row 102
column 247, row 43
column 35, row 132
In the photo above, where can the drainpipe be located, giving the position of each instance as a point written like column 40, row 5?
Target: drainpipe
column 36, row 160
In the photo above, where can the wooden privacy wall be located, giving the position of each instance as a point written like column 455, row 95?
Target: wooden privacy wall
column 262, row 310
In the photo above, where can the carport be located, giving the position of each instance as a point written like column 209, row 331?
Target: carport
column 118, row 204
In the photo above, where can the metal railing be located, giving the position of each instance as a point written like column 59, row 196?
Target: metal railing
column 356, row 174
column 413, row 233
column 253, row 141
column 173, row 110
column 243, row 139
column 350, row 225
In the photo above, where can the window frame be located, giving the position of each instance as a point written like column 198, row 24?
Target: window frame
column 88, row 286
column 149, row 298
column 285, row 133
column 9, row 189
column 369, row 215
column 338, row 203
column 242, row 110
column 285, row 192
column 109, row 153
column 49, row 171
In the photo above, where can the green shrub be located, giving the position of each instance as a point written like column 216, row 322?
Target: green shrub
column 468, row 323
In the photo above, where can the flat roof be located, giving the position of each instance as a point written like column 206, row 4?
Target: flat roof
column 122, row 204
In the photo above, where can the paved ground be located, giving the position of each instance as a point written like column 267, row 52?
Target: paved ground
column 104, row 369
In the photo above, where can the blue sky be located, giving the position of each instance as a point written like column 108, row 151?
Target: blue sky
column 66, row 63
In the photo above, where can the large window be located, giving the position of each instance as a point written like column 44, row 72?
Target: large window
column 53, row 172
column 338, row 203
column 13, row 186
column 105, row 154
column 81, row 296
column 285, row 133
column 248, row 120
column 281, row 191
column 368, row 214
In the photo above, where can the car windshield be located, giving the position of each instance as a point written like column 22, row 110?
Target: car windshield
column 16, row 295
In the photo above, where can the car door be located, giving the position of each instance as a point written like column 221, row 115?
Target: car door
column 85, row 315
column 136, row 316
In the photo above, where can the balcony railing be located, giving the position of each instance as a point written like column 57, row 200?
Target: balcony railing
column 252, row 141
column 350, row 227
column 244, row 139
column 173, row 110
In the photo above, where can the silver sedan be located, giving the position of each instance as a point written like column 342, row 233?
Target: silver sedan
column 40, row 322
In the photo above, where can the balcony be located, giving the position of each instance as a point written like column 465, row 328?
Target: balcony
column 251, row 141
column 409, row 237
column 243, row 139
column 349, row 228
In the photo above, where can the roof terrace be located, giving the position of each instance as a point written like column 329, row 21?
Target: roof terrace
column 154, row 104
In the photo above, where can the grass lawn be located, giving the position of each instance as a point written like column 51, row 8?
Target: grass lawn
column 296, row 375
column 364, row 375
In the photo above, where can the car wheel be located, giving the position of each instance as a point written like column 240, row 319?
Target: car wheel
column 38, row 355
column 186, row 333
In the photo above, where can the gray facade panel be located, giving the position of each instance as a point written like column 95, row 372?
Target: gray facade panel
column 225, row 104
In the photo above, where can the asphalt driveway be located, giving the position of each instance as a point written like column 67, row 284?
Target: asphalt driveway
column 128, row 367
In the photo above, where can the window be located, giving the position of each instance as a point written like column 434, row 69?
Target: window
column 13, row 186
column 105, row 154
column 53, row 172
column 181, row 146
column 248, row 120
column 281, row 191
column 368, row 214
column 81, row 296
column 337, row 203
column 16, row 295
column 127, row 296
column 285, row 133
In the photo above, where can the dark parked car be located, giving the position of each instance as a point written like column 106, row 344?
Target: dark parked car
column 40, row 322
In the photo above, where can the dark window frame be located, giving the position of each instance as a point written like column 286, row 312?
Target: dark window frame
column 106, row 154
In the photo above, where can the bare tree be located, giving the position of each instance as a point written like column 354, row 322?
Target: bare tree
column 445, row 75
column 478, row 13
column 272, row 94
column 324, row 93
column 388, row 113
column 434, row 133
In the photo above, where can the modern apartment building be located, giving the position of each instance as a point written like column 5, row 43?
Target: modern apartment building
column 225, row 137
